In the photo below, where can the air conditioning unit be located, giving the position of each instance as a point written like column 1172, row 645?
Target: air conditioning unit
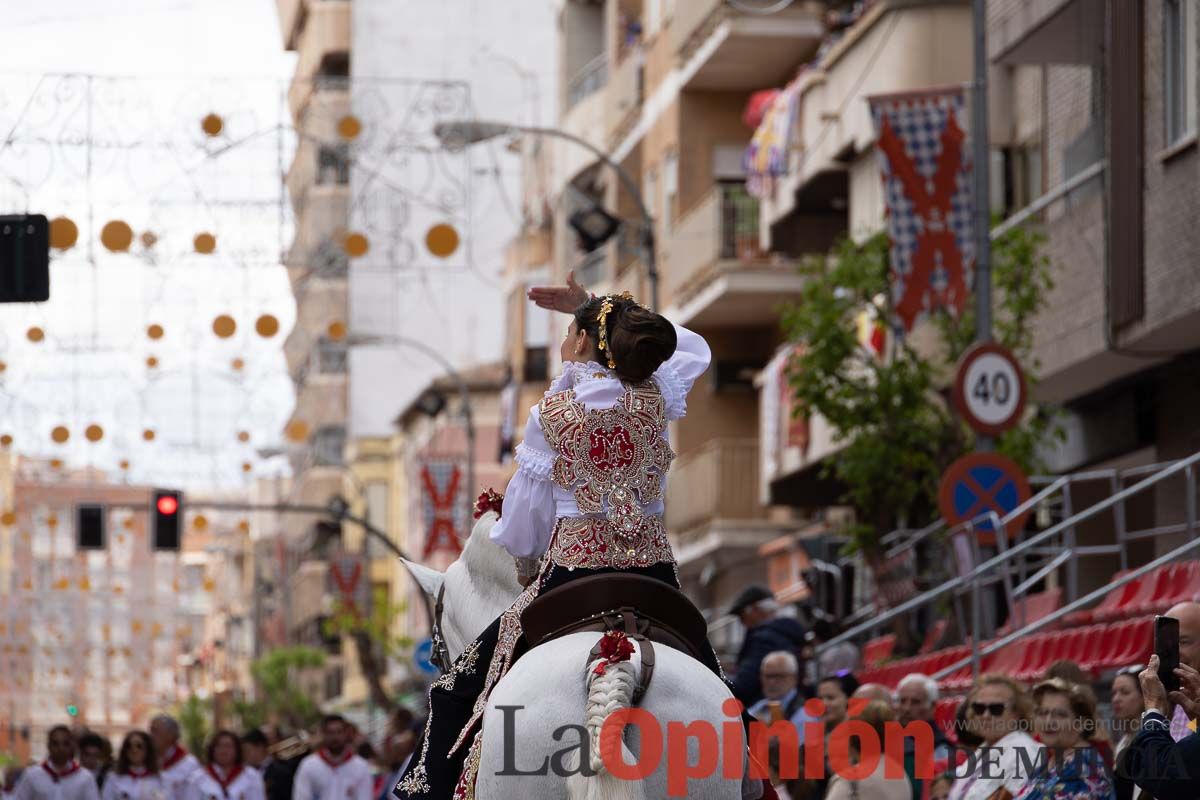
column 734, row 376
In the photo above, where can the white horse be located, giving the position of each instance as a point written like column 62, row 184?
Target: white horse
column 552, row 688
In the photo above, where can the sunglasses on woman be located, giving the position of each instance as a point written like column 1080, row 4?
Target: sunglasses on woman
column 995, row 709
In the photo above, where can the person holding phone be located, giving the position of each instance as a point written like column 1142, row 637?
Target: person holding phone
column 1188, row 654
column 1166, row 769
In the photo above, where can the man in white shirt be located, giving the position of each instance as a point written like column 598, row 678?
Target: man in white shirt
column 59, row 777
column 334, row 772
column 176, row 764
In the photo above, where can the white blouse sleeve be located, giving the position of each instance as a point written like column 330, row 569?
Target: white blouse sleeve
column 677, row 375
column 527, row 519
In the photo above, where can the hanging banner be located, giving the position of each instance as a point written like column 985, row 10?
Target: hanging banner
column 441, row 484
column 347, row 574
column 926, row 164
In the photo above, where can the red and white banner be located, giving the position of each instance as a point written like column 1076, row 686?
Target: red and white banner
column 442, row 504
column 922, row 141
column 346, row 574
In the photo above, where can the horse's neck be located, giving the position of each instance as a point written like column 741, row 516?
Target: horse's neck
column 486, row 573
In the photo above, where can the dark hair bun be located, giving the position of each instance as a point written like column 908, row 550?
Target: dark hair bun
column 640, row 341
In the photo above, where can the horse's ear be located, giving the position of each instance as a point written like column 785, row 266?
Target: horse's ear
column 430, row 579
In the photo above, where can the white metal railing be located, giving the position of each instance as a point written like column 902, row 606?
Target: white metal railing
column 591, row 78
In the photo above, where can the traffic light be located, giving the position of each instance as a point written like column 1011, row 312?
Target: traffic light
column 166, row 511
column 89, row 527
column 24, row 258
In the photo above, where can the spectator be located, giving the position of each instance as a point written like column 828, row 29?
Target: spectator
column 334, row 770
column 841, row 657
column 59, row 777
column 876, row 786
column 875, row 693
column 834, row 692
column 12, row 776
column 398, row 746
column 225, row 774
column 766, row 632
column 1065, row 722
column 1188, row 614
column 255, row 751
column 916, row 696
column 1127, row 708
column 176, row 764
column 782, row 698
column 136, row 775
column 95, row 756
column 1068, row 670
column 1159, row 765
column 999, row 713
column 939, row 787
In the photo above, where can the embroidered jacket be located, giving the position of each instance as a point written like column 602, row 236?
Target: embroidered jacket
column 567, row 466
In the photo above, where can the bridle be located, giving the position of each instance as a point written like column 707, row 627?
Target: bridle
column 439, row 656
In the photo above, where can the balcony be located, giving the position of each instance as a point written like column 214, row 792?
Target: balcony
column 323, row 47
column 715, row 273
column 624, row 95
column 588, row 80
column 724, row 49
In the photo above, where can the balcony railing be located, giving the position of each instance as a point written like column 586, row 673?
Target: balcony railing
column 722, row 227
column 588, row 80
column 719, row 480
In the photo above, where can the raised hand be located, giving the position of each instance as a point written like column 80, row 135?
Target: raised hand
column 560, row 298
column 1188, row 695
column 1153, row 692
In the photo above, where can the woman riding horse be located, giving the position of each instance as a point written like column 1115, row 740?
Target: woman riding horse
column 587, row 498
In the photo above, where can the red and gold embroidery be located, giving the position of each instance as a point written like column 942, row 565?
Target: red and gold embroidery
column 597, row 543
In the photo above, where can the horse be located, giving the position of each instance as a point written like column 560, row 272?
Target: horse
column 553, row 705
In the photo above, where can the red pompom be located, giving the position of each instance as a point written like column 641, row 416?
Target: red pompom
column 488, row 501
column 614, row 647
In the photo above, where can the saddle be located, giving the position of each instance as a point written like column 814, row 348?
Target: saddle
column 645, row 609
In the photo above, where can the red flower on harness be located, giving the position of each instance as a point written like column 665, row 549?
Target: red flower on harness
column 614, row 647
column 488, row 501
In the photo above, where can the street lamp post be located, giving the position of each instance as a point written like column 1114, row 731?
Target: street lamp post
column 460, row 133
column 463, row 391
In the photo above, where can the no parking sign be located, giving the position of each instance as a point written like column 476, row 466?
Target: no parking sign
column 981, row 482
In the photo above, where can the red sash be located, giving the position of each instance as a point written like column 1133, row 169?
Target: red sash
column 58, row 776
column 227, row 781
column 325, row 755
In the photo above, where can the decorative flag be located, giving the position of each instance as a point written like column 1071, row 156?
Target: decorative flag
column 872, row 335
column 926, row 168
column 440, row 488
column 767, row 155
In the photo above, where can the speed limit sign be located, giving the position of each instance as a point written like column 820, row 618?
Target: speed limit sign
column 989, row 389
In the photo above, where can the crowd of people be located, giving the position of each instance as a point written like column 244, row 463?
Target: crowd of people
column 336, row 761
column 1008, row 741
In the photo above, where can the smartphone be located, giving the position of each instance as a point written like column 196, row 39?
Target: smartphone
column 1166, row 647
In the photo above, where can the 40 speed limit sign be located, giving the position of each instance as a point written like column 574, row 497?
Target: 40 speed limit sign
column 989, row 389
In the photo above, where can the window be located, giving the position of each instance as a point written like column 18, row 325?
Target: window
column 327, row 446
column 537, row 364
column 1179, row 65
column 670, row 190
column 650, row 192
column 333, row 164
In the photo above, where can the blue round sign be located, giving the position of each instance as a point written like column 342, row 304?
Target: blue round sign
column 979, row 483
column 421, row 655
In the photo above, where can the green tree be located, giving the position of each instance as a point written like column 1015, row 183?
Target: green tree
column 278, row 676
column 195, row 722
column 248, row 714
column 892, row 417
column 373, row 640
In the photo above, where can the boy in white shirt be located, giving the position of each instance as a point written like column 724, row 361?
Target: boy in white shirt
column 334, row 771
column 59, row 777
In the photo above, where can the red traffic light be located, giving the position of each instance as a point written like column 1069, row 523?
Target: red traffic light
column 168, row 504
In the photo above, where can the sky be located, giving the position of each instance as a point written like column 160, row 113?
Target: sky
column 100, row 109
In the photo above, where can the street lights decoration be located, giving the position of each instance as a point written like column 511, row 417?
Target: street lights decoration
column 457, row 134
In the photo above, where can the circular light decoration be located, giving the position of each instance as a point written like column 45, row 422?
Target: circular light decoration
column 129, row 523
column 3, row 366
column 6, row 440
column 243, row 436
column 442, row 240
column 355, row 244
column 148, row 240
column 60, row 434
column 349, row 127
column 94, row 433
column 56, row 463
column 337, row 331
column 238, row 364
column 124, row 465
column 151, row 362
column 247, row 467
column 204, row 243
column 244, row 526
column 148, row 434
column 8, row 519
column 155, row 331
column 200, row 522
column 224, row 326
column 297, row 431
column 116, row 236
column 52, row 521
column 64, row 233
column 266, row 326
column 35, row 334
column 212, row 124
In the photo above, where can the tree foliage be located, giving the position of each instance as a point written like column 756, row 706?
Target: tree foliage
column 278, row 675
column 373, row 639
column 892, row 416
column 195, row 722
